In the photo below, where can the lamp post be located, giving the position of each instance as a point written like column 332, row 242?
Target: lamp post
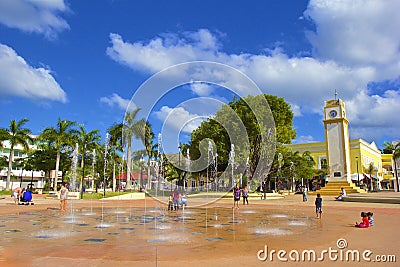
column 105, row 163
column 395, row 171
column 358, row 174
column 188, row 168
column 292, row 174
column 93, row 163
column 216, row 171
column 141, row 173
column 179, row 164
column 232, row 162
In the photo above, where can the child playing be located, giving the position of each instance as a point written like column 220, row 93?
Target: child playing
column 365, row 221
column 170, row 203
column 236, row 197
column 318, row 206
column 370, row 218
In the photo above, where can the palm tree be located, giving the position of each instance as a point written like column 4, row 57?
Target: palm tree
column 115, row 145
column 131, row 128
column 16, row 135
column 149, row 147
column 61, row 136
column 370, row 169
column 87, row 141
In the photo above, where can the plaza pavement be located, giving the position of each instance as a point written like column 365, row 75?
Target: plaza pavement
column 233, row 249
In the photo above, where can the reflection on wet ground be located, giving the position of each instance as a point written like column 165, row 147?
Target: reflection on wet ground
column 154, row 225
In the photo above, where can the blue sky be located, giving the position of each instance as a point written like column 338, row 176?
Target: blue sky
column 84, row 60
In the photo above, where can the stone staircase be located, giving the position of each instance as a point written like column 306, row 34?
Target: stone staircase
column 333, row 188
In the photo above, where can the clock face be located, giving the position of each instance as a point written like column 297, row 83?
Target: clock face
column 333, row 113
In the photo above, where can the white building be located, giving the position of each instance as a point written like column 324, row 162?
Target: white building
column 19, row 176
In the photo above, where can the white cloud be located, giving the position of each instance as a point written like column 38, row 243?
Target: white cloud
column 354, row 43
column 20, row 79
column 161, row 53
column 357, row 33
column 40, row 16
column 179, row 119
column 116, row 100
column 201, row 89
column 304, row 139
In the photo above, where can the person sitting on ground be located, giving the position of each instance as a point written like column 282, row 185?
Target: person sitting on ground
column 370, row 218
column 341, row 195
column 365, row 222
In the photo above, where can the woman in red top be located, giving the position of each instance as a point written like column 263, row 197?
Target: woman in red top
column 365, row 221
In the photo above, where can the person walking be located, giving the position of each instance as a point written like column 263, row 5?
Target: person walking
column 318, row 206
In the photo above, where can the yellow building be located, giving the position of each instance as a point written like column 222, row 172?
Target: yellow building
column 345, row 160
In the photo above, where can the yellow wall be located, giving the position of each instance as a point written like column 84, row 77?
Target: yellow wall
column 366, row 153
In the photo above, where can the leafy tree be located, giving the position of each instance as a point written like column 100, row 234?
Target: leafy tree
column 150, row 149
column 115, row 145
column 16, row 135
column 131, row 128
column 61, row 137
column 87, row 141
column 370, row 169
column 116, row 136
column 237, row 117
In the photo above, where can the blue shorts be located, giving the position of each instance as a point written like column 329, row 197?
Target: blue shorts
column 318, row 209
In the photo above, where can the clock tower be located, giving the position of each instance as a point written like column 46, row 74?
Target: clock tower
column 337, row 140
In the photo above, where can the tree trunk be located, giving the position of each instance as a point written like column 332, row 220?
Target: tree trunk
column 10, row 159
column 56, row 174
column 114, row 185
column 83, row 171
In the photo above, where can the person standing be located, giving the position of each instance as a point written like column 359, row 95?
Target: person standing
column 305, row 199
column 175, row 195
column 236, row 197
column 245, row 195
column 63, row 197
column 318, row 206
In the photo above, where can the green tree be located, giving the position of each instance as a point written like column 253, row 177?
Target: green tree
column 240, row 119
column 115, row 145
column 131, row 128
column 150, row 149
column 370, row 169
column 16, row 135
column 87, row 141
column 61, row 137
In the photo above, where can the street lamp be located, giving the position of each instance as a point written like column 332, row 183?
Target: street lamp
column 179, row 164
column 358, row 174
column 395, row 171
column 141, row 173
